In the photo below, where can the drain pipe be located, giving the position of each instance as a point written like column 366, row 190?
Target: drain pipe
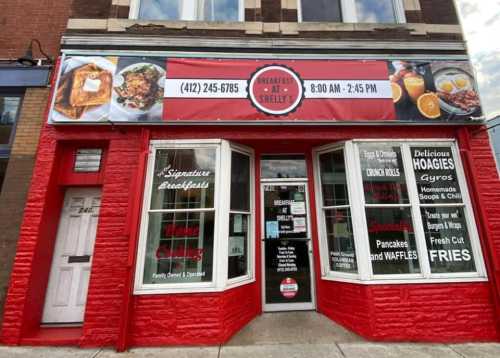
column 487, row 244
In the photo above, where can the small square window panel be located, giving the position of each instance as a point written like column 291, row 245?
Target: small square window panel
column 87, row 160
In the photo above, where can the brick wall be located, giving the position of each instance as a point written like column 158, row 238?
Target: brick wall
column 433, row 312
column 85, row 9
column 23, row 20
column 17, row 180
column 438, row 12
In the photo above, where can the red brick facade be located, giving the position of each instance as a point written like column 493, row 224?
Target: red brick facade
column 423, row 312
column 447, row 312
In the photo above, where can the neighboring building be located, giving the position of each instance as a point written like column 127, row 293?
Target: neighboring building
column 495, row 137
column 205, row 161
column 24, row 90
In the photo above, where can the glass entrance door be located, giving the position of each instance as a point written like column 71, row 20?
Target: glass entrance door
column 287, row 247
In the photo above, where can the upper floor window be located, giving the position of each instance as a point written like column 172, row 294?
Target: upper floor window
column 197, row 10
column 367, row 11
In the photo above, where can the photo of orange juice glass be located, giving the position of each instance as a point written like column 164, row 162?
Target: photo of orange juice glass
column 415, row 86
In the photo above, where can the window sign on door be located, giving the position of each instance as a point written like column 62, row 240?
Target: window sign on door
column 285, row 212
column 288, row 273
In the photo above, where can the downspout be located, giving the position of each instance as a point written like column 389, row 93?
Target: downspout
column 487, row 244
column 132, row 231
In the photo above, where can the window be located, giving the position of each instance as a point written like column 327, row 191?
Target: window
column 189, row 221
column 201, row 10
column 336, row 213
column 283, row 166
column 367, row 11
column 396, row 211
column 10, row 103
column 240, row 218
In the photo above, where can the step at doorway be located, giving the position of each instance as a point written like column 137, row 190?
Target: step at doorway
column 296, row 327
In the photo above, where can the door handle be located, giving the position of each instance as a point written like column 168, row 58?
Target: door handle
column 78, row 259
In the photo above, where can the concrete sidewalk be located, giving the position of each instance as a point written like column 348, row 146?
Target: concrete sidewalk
column 322, row 350
column 279, row 335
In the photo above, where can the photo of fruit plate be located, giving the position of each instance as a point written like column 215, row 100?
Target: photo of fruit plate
column 456, row 91
column 139, row 88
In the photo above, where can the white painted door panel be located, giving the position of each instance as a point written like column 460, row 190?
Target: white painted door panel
column 70, row 272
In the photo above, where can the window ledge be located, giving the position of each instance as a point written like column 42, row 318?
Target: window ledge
column 193, row 290
column 413, row 28
column 406, row 281
column 121, row 25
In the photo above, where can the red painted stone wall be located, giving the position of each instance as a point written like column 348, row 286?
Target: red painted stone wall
column 433, row 312
column 425, row 312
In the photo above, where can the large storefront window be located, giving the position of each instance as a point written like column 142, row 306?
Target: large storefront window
column 181, row 220
column 183, row 232
column 409, row 209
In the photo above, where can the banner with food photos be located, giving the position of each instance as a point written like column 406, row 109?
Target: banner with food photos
column 93, row 89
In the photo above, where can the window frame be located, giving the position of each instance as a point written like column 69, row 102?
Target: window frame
column 190, row 11
column 250, row 276
column 11, row 92
column 222, row 179
column 349, row 15
column 358, row 216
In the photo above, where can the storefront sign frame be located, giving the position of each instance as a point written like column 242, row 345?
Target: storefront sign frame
column 282, row 56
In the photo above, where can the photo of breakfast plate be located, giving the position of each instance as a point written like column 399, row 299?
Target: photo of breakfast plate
column 139, row 88
column 456, row 90
column 84, row 89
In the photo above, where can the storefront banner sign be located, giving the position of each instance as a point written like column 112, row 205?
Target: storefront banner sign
column 231, row 89
column 92, row 89
column 436, row 90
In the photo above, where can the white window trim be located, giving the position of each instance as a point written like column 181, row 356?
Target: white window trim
column 222, row 179
column 355, row 184
column 190, row 10
column 250, row 276
column 348, row 11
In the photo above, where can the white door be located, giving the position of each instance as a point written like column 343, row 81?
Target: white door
column 70, row 271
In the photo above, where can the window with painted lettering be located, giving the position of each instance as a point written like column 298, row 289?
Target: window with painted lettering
column 366, row 11
column 442, row 210
column 410, row 213
column 196, row 236
column 181, row 218
column 391, row 234
column 189, row 10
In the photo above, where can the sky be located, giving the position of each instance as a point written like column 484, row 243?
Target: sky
column 481, row 24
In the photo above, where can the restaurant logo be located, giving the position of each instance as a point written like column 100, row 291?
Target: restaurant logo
column 276, row 90
column 289, row 287
column 179, row 179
